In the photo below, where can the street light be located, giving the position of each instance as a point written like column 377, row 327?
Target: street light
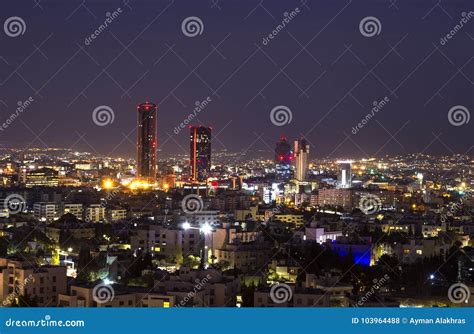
column 206, row 228
column 186, row 226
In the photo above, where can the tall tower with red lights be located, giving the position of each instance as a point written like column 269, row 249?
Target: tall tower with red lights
column 200, row 152
column 146, row 140
column 283, row 158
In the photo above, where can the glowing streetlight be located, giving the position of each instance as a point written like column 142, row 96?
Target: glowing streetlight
column 107, row 281
column 206, row 228
column 186, row 226
column 108, row 184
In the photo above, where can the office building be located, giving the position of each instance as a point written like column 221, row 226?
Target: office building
column 200, row 148
column 301, row 152
column 283, row 158
column 344, row 179
column 146, row 141
column 45, row 211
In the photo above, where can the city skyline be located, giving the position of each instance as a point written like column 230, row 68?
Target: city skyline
column 235, row 67
column 238, row 154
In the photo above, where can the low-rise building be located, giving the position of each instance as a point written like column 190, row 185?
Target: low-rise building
column 291, row 297
column 41, row 284
column 45, row 211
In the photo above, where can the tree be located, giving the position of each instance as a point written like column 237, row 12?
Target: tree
column 3, row 247
column 25, row 301
column 84, row 263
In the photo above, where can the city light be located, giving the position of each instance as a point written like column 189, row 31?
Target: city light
column 186, row 226
column 206, row 228
column 108, row 281
column 108, row 184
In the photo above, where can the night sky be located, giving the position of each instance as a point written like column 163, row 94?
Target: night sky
column 320, row 66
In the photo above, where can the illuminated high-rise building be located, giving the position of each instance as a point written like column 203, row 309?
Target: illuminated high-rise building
column 301, row 152
column 200, row 149
column 283, row 158
column 344, row 179
column 146, row 140
column 283, row 154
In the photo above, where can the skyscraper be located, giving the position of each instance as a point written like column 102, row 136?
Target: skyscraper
column 200, row 148
column 146, row 140
column 283, row 158
column 283, row 155
column 344, row 179
column 301, row 152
